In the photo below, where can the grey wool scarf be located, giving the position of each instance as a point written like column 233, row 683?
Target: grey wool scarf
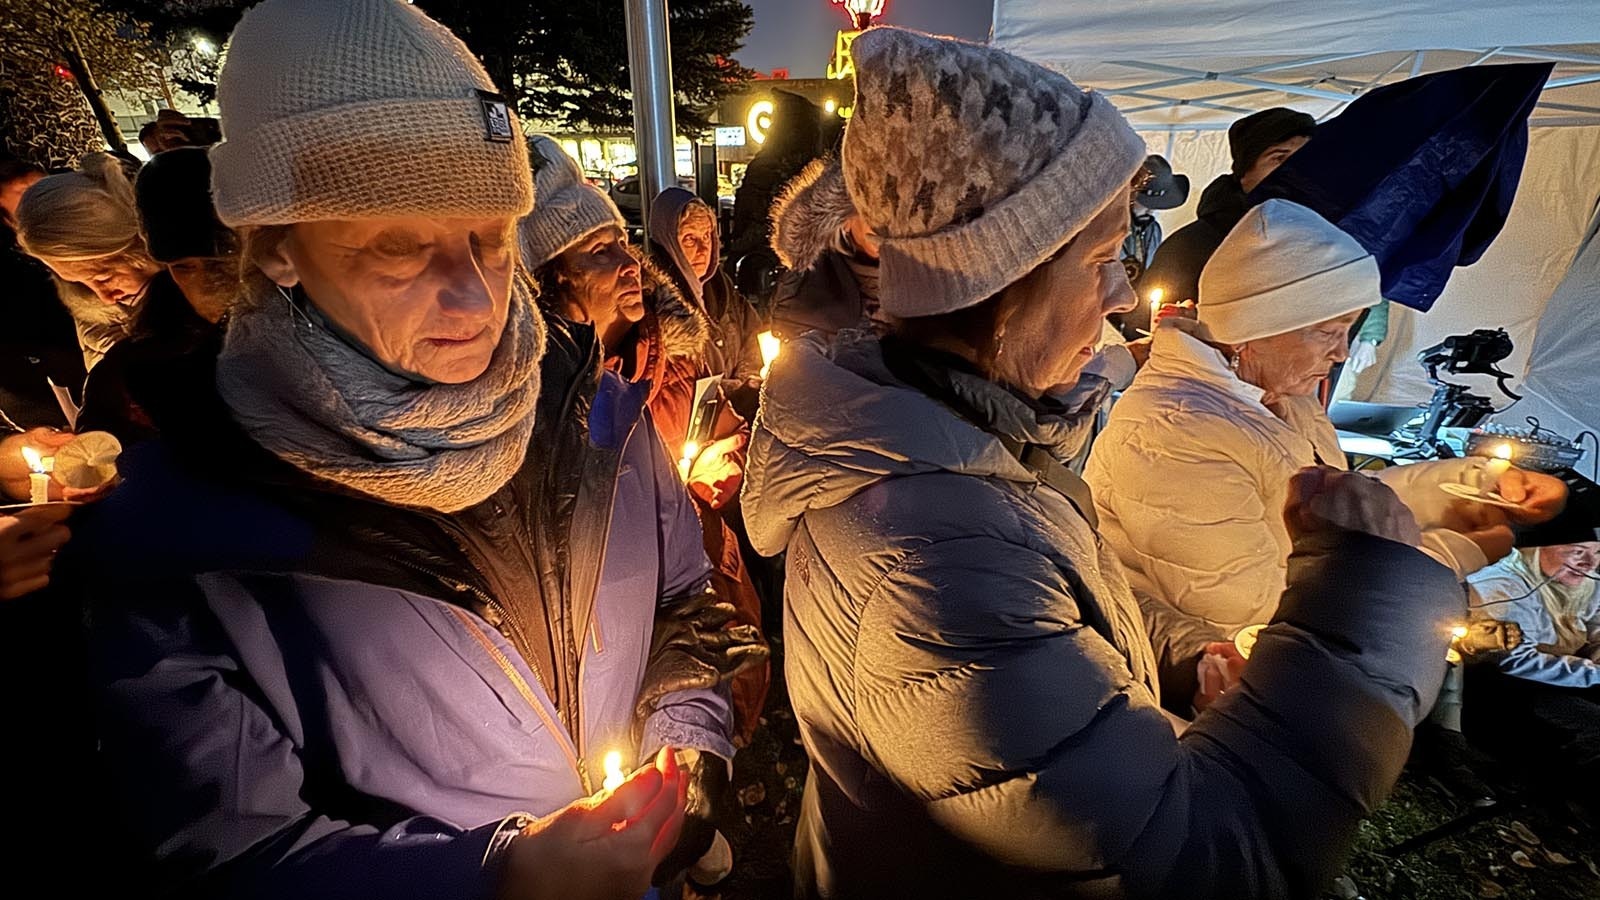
column 327, row 408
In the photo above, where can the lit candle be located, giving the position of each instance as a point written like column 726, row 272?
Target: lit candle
column 770, row 345
column 613, row 767
column 38, row 477
column 686, row 462
column 1156, row 295
column 1458, row 632
column 1452, row 655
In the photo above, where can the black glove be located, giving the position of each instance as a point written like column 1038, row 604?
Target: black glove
column 710, row 792
column 696, row 645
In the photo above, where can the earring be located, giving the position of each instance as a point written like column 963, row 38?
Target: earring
column 1233, row 361
column 294, row 308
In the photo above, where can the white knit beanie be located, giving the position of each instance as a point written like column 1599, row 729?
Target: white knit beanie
column 973, row 166
column 359, row 109
column 1281, row 268
column 569, row 207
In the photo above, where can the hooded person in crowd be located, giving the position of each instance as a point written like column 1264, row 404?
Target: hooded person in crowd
column 38, row 344
column 376, row 608
column 1193, row 467
column 1259, row 144
column 830, row 282
column 655, row 338
column 974, row 682
column 684, row 242
column 84, row 226
column 185, row 303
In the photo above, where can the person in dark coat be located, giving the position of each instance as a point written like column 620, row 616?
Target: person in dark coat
column 184, row 307
column 683, row 242
column 830, row 280
column 1259, row 144
column 409, row 579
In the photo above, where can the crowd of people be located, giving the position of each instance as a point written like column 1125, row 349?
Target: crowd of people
column 437, row 562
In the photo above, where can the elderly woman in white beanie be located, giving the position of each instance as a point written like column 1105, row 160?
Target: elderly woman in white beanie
column 972, row 675
column 1194, row 465
column 384, row 612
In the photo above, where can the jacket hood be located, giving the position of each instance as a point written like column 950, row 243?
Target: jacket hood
column 1224, row 200
column 682, row 325
column 666, row 213
column 835, row 421
column 808, row 214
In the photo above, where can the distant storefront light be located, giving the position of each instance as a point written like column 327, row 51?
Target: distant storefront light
column 759, row 120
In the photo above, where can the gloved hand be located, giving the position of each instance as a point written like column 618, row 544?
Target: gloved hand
column 696, row 644
column 710, row 792
column 1488, row 640
column 1362, row 355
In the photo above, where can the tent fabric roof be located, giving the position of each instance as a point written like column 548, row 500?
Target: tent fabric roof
column 1200, row 64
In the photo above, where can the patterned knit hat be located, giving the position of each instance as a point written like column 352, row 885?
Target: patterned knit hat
column 974, row 166
column 568, row 209
column 360, row 109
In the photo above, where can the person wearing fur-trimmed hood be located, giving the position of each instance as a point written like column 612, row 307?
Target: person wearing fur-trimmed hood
column 655, row 338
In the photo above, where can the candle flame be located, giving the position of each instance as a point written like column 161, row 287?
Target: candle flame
column 770, row 345
column 1458, row 632
column 613, row 767
column 33, row 459
column 1502, row 451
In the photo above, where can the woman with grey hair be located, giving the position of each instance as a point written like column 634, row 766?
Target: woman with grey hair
column 394, row 608
column 972, row 676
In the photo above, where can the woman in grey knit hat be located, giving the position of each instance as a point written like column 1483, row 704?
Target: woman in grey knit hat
column 978, row 689
column 394, row 608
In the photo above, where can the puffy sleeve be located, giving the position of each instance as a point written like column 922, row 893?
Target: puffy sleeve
column 214, row 785
column 1193, row 524
column 1022, row 732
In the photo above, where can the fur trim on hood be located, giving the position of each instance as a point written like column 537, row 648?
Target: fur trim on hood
column 809, row 213
column 684, row 328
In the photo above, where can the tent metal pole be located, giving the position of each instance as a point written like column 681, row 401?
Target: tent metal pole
column 1569, row 107
column 1239, row 80
column 1363, row 89
column 1416, row 64
column 1574, row 81
column 1485, row 57
column 1552, row 56
column 650, row 73
column 1167, row 102
column 1296, row 64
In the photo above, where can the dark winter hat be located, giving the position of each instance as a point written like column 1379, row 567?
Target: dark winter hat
column 173, row 194
column 1250, row 137
column 1164, row 190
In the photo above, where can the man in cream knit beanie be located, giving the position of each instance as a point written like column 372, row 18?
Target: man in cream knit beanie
column 973, row 166
column 1284, row 267
column 315, row 96
column 568, row 209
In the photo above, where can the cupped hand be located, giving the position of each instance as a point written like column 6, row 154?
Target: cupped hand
column 29, row 541
column 1539, row 497
column 603, row 847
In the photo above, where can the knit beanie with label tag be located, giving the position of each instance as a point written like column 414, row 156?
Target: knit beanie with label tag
column 973, row 166
column 360, row 109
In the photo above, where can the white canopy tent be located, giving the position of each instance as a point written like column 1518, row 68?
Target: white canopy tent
column 1183, row 70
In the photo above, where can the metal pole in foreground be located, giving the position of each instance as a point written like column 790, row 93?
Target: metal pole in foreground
column 650, row 71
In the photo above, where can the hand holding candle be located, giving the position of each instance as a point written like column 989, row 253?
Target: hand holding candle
column 16, row 479
column 602, row 847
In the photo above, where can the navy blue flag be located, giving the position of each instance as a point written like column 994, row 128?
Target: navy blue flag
column 1421, row 172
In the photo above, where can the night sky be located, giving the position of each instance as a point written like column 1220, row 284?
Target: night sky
column 798, row 34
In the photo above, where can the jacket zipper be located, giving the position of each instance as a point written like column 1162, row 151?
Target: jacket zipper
column 521, row 684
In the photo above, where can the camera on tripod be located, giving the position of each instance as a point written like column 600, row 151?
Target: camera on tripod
column 1455, row 405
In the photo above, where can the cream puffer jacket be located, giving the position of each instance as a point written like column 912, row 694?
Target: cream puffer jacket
column 1192, row 471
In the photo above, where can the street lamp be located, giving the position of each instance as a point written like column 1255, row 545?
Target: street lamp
column 861, row 12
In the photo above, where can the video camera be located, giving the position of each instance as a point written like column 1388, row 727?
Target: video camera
column 1455, row 405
